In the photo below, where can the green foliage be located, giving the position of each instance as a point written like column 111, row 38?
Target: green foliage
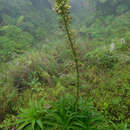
column 122, row 126
column 60, row 115
column 8, row 96
column 41, row 33
column 7, row 48
column 34, row 69
column 102, row 57
column 48, row 72
column 32, row 117
column 8, row 122
column 66, row 118
column 127, row 37
column 103, row 30
column 23, row 23
column 44, row 72
column 13, row 41
column 108, row 60
column 8, row 20
column 20, row 20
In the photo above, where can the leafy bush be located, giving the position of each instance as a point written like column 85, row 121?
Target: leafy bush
column 107, row 60
column 13, row 41
column 45, row 67
column 41, row 34
column 7, row 48
column 102, row 58
column 27, row 70
column 8, row 19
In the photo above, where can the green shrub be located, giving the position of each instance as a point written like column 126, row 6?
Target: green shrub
column 41, row 34
column 27, row 71
column 8, row 19
column 102, row 58
column 7, row 48
column 107, row 60
column 44, row 66
column 8, row 102
column 13, row 41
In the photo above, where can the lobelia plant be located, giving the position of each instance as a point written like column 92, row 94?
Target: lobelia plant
column 62, row 8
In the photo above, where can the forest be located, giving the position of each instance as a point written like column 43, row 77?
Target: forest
column 64, row 64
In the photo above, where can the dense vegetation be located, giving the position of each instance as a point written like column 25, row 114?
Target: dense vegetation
column 50, row 85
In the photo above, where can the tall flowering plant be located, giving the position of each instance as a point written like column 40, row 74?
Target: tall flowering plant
column 62, row 8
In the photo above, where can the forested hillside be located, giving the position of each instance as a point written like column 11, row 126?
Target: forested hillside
column 64, row 65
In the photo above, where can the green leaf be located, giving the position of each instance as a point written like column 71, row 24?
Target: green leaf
column 23, row 125
column 39, row 122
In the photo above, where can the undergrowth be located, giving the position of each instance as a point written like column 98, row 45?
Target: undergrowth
column 40, row 89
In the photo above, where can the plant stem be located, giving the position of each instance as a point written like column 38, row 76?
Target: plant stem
column 75, row 59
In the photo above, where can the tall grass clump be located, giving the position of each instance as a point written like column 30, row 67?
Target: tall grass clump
column 62, row 8
column 32, row 117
